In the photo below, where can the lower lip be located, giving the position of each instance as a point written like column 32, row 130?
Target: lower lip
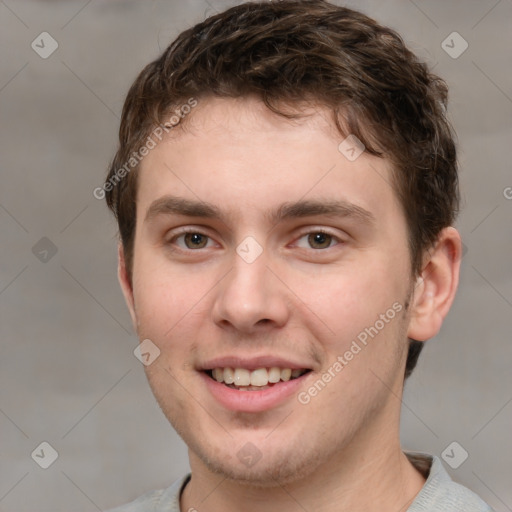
column 253, row 401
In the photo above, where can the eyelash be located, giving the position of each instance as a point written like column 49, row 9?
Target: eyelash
column 302, row 235
column 323, row 232
column 172, row 241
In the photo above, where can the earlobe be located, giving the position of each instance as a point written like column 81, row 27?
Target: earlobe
column 436, row 286
column 126, row 284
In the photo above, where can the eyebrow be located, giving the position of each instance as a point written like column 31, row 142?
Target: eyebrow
column 172, row 205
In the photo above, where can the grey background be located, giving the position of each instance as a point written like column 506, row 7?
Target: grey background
column 68, row 373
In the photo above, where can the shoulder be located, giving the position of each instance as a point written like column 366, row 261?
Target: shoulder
column 145, row 503
column 441, row 494
column 164, row 500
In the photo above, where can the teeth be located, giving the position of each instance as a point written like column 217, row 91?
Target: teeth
column 257, row 378
column 242, row 377
column 229, row 375
column 286, row 374
column 274, row 375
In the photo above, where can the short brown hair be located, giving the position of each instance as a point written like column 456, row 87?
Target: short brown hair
column 293, row 51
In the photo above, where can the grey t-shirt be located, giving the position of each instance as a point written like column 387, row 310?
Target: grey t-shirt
column 439, row 494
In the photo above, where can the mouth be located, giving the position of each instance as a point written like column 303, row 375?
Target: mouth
column 254, row 383
column 259, row 379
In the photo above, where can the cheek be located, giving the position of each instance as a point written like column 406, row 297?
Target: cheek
column 347, row 300
column 165, row 303
column 174, row 311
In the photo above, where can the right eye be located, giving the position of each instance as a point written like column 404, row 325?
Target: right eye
column 192, row 240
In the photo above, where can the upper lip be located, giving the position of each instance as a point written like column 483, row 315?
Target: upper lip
column 252, row 363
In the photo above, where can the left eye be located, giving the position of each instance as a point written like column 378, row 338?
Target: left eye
column 317, row 240
column 192, row 241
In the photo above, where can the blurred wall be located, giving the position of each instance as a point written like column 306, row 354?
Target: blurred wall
column 68, row 375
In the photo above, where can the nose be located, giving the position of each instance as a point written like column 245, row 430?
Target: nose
column 250, row 298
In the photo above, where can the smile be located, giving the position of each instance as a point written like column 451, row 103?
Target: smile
column 260, row 379
column 238, row 393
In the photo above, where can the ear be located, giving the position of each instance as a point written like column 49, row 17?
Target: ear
column 126, row 285
column 436, row 286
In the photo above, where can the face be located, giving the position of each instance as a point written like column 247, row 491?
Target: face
column 260, row 245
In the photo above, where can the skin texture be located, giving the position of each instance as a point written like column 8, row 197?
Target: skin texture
column 340, row 451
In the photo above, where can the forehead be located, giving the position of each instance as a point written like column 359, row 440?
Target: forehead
column 240, row 156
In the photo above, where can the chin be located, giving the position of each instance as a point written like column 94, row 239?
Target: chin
column 273, row 473
column 279, row 464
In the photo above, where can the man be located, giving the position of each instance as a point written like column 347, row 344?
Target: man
column 285, row 188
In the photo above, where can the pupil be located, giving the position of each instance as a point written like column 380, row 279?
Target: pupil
column 319, row 240
column 195, row 239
